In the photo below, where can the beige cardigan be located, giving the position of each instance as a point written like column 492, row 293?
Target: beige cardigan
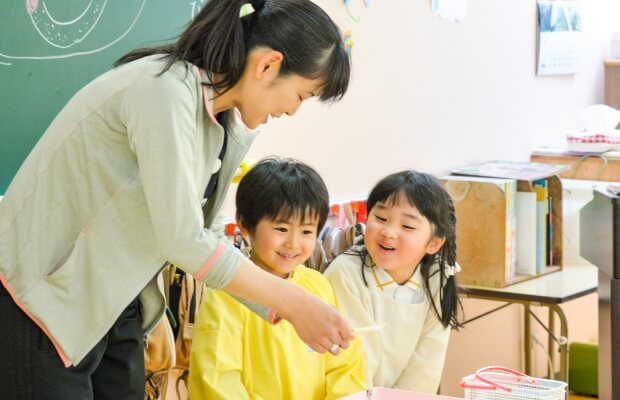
column 409, row 352
column 112, row 191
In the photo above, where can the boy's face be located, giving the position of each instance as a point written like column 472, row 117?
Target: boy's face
column 278, row 246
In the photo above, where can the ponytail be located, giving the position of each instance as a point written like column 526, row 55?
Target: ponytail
column 212, row 41
column 220, row 38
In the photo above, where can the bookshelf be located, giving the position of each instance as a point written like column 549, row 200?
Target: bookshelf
column 488, row 229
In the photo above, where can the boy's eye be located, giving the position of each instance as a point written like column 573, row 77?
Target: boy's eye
column 409, row 228
column 308, row 232
column 380, row 218
column 281, row 229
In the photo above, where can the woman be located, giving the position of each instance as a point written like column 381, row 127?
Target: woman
column 114, row 189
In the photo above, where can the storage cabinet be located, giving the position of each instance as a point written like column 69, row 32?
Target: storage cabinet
column 485, row 247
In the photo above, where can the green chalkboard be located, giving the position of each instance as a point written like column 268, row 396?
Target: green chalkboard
column 49, row 49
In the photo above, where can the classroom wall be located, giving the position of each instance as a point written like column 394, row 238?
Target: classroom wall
column 433, row 95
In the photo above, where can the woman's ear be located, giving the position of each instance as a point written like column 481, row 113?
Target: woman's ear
column 435, row 244
column 268, row 63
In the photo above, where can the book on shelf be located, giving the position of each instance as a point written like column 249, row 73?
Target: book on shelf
column 520, row 170
column 542, row 211
column 526, row 232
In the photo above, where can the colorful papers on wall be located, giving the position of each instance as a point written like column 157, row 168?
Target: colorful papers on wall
column 450, row 10
column 348, row 42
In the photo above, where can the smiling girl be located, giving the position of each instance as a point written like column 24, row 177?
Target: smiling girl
column 402, row 278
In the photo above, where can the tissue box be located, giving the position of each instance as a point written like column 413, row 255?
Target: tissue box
column 379, row 393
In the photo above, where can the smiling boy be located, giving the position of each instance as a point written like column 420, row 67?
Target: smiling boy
column 282, row 204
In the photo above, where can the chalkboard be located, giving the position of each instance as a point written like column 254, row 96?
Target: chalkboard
column 49, row 49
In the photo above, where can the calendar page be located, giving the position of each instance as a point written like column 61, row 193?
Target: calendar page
column 559, row 37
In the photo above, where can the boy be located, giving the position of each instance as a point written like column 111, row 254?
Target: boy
column 282, row 204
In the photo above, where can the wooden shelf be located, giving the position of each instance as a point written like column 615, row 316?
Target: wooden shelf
column 612, row 83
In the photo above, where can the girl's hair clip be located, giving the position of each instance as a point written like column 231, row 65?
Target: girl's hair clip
column 451, row 270
column 245, row 10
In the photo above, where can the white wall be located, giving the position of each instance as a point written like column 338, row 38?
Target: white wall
column 433, row 95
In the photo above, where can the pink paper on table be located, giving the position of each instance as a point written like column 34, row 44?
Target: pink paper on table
column 379, row 393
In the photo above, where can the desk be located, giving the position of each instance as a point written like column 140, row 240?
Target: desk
column 551, row 290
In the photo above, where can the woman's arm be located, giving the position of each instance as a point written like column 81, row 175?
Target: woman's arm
column 317, row 323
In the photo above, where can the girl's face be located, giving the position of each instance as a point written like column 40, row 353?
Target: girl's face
column 281, row 245
column 398, row 237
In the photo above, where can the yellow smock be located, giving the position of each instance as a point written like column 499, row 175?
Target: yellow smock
column 237, row 355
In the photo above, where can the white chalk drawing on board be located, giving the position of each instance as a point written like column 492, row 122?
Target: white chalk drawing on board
column 65, row 34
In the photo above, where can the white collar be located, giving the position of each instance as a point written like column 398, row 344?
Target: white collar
column 410, row 292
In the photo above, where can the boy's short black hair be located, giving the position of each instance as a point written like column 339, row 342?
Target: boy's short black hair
column 281, row 188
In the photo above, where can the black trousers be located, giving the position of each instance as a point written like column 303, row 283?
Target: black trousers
column 30, row 368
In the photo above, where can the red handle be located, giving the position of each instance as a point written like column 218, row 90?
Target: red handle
column 466, row 385
column 502, row 369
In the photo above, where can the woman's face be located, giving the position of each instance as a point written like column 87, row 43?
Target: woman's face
column 281, row 96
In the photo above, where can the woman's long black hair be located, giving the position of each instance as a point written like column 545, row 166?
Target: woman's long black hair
column 428, row 195
column 219, row 41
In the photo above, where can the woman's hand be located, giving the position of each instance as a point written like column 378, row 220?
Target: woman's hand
column 317, row 323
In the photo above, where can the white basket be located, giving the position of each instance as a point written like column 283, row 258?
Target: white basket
column 498, row 383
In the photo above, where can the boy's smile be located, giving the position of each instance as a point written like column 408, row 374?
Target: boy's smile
column 278, row 246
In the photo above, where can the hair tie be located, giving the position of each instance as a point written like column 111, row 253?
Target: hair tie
column 451, row 270
column 245, row 10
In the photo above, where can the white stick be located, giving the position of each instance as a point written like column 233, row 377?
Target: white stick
column 369, row 328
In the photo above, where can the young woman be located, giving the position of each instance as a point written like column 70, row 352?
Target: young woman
column 116, row 185
column 402, row 279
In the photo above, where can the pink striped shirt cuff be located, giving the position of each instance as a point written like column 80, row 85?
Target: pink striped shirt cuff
column 210, row 261
column 274, row 318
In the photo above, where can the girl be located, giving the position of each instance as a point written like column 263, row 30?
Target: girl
column 115, row 189
column 402, row 279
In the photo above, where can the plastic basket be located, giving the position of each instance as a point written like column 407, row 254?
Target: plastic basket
column 499, row 383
